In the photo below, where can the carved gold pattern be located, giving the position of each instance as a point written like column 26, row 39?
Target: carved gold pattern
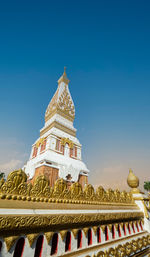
column 48, row 236
column 57, row 125
column 16, row 187
column 75, row 232
column 61, row 102
column 31, row 238
column 103, row 228
column 95, row 229
column 126, row 249
column 40, row 141
column 65, row 141
column 10, row 240
column 63, row 234
column 85, row 230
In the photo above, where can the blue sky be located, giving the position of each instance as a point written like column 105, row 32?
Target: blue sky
column 105, row 46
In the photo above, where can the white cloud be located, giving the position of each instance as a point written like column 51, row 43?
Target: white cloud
column 10, row 165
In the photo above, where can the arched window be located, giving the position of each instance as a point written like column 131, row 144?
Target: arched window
column 68, row 242
column 129, row 228
column 113, row 231
column 133, row 227
column 89, row 236
column 79, row 239
column 119, row 231
column 35, row 150
column 106, row 234
column 98, row 235
column 124, row 229
column 137, row 225
column 19, row 248
column 0, row 246
column 141, row 225
column 54, row 247
column 43, row 146
column 39, row 246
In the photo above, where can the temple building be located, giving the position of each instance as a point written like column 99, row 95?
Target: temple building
column 50, row 209
column 57, row 152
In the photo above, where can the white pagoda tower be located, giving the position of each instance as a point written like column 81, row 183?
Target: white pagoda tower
column 57, row 152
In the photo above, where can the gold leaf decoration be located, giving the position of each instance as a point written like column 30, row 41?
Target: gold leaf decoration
column 65, row 141
column 95, row 229
column 10, row 241
column 89, row 193
column 63, row 234
column 75, row 232
column 41, row 187
column 62, row 103
column 76, row 191
column 16, row 185
column 31, row 238
column 48, row 236
column 85, row 230
column 59, row 188
column 127, row 249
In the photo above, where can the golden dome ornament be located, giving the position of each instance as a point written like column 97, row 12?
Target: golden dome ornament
column 133, row 182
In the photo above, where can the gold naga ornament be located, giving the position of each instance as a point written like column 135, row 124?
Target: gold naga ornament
column 17, row 187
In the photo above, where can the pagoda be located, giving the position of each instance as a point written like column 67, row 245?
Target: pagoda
column 57, row 152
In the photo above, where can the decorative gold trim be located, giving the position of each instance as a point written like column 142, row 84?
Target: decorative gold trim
column 63, row 234
column 95, row 229
column 12, row 222
column 40, row 141
column 31, row 238
column 75, row 232
column 58, row 126
column 65, row 141
column 85, row 230
column 145, row 210
column 64, row 78
column 17, row 188
column 110, row 227
column 48, row 236
column 10, row 240
column 57, row 111
column 103, row 228
column 120, row 250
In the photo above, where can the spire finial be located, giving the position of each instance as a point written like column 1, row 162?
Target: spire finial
column 133, row 182
column 65, row 70
column 64, row 78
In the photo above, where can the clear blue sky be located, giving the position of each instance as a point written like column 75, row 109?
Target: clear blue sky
column 106, row 48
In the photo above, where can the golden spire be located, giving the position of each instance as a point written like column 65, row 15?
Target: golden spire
column 64, row 78
column 133, row 182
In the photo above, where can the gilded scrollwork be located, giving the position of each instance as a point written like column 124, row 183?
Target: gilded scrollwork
column 16, row 187
column 89, row 193
column 31, row 222
column 61, row 103
column 63, row 234
column 48, row 236
column 76, row 191
column 31, row 238
column 65, row 141
column 41, row 188
column 126, row 249
column 10, row 240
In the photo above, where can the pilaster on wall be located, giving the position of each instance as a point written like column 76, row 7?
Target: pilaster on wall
column 83, row 180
